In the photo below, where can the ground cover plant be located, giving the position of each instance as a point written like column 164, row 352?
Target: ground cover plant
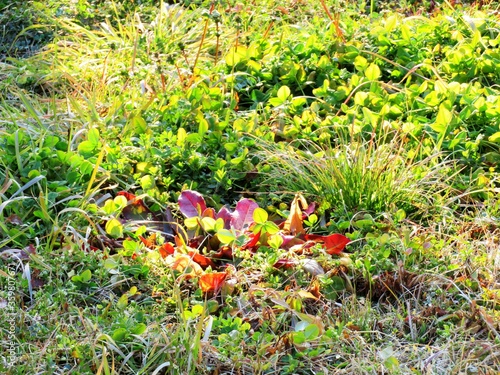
column 314, row 183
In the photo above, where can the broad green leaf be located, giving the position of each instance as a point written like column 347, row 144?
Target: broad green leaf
column 360, row 63
column 191, row 222
column 311, row 332
column 260, row 215
column 236, row 54
column 197, row 310
column 406, row 32
column 275, row 241
column 119, row 334
column 494, row 137
column 147, row 182
column 120, row 202
column 231, row 146
column 441, row 87
column 86, row 167
column 94, row 137
column 298, row 338
column 443, row 119
column 87, row 148
column 181, row 136
column 139, row 329
column 114, row 228
column 122, row 302
column 85, row 276
column 138, row 124
column 372, row 72
column 109, row 207
column 270, row 227
column 225, row 236
column 390, row 23
column 208, row 224
column 283, row 93
column 202, row 127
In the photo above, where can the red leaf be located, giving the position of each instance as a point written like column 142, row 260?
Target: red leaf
column 285, row 263
column 225, row 252
column 309, row 210
column 250, row 244
column 166, row 249
column 289, row 241
column 212, row 282
column 127, row 195
column 243, row 214
column 202, row 260
column 334, row 243
column 191, row 203
column 14, row 219
column 226, row 215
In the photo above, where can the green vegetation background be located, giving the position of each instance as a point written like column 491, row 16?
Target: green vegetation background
column 385, row 115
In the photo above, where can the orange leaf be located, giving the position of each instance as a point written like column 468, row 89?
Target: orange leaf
column 293, row 223
column 202, row 260
column 212, row 282
column 149, row 242
column 181, row 262
column 166, row 249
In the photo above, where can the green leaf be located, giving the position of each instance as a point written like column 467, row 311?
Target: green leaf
column 139, row 329
column 138, row 124
column 495, row 137
column 283, row 93
column 260, row 215
column 192, row 222
column 298, row 337
column 390, row 23
column 197, row 310
column 114, row 228
column 275, row 241
column 86, row 167
column 443, row 119
column 360, row 63
column 372, row 72
column 236, row 55
column 87, row 148
column 406, row 32
column 270, row 227
column 94, row 137
column 119, row 334
column 311, row 332
column 208, row 224
column 122, row 302
column 85, row 276
column 120, row 202
column 147, row 182
column 225, row 236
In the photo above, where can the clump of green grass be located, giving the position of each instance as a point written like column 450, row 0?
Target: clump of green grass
column 374, row 176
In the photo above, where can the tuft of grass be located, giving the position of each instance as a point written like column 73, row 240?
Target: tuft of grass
column 374, row 176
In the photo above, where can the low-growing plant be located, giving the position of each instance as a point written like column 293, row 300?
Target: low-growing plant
column 376, row 176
